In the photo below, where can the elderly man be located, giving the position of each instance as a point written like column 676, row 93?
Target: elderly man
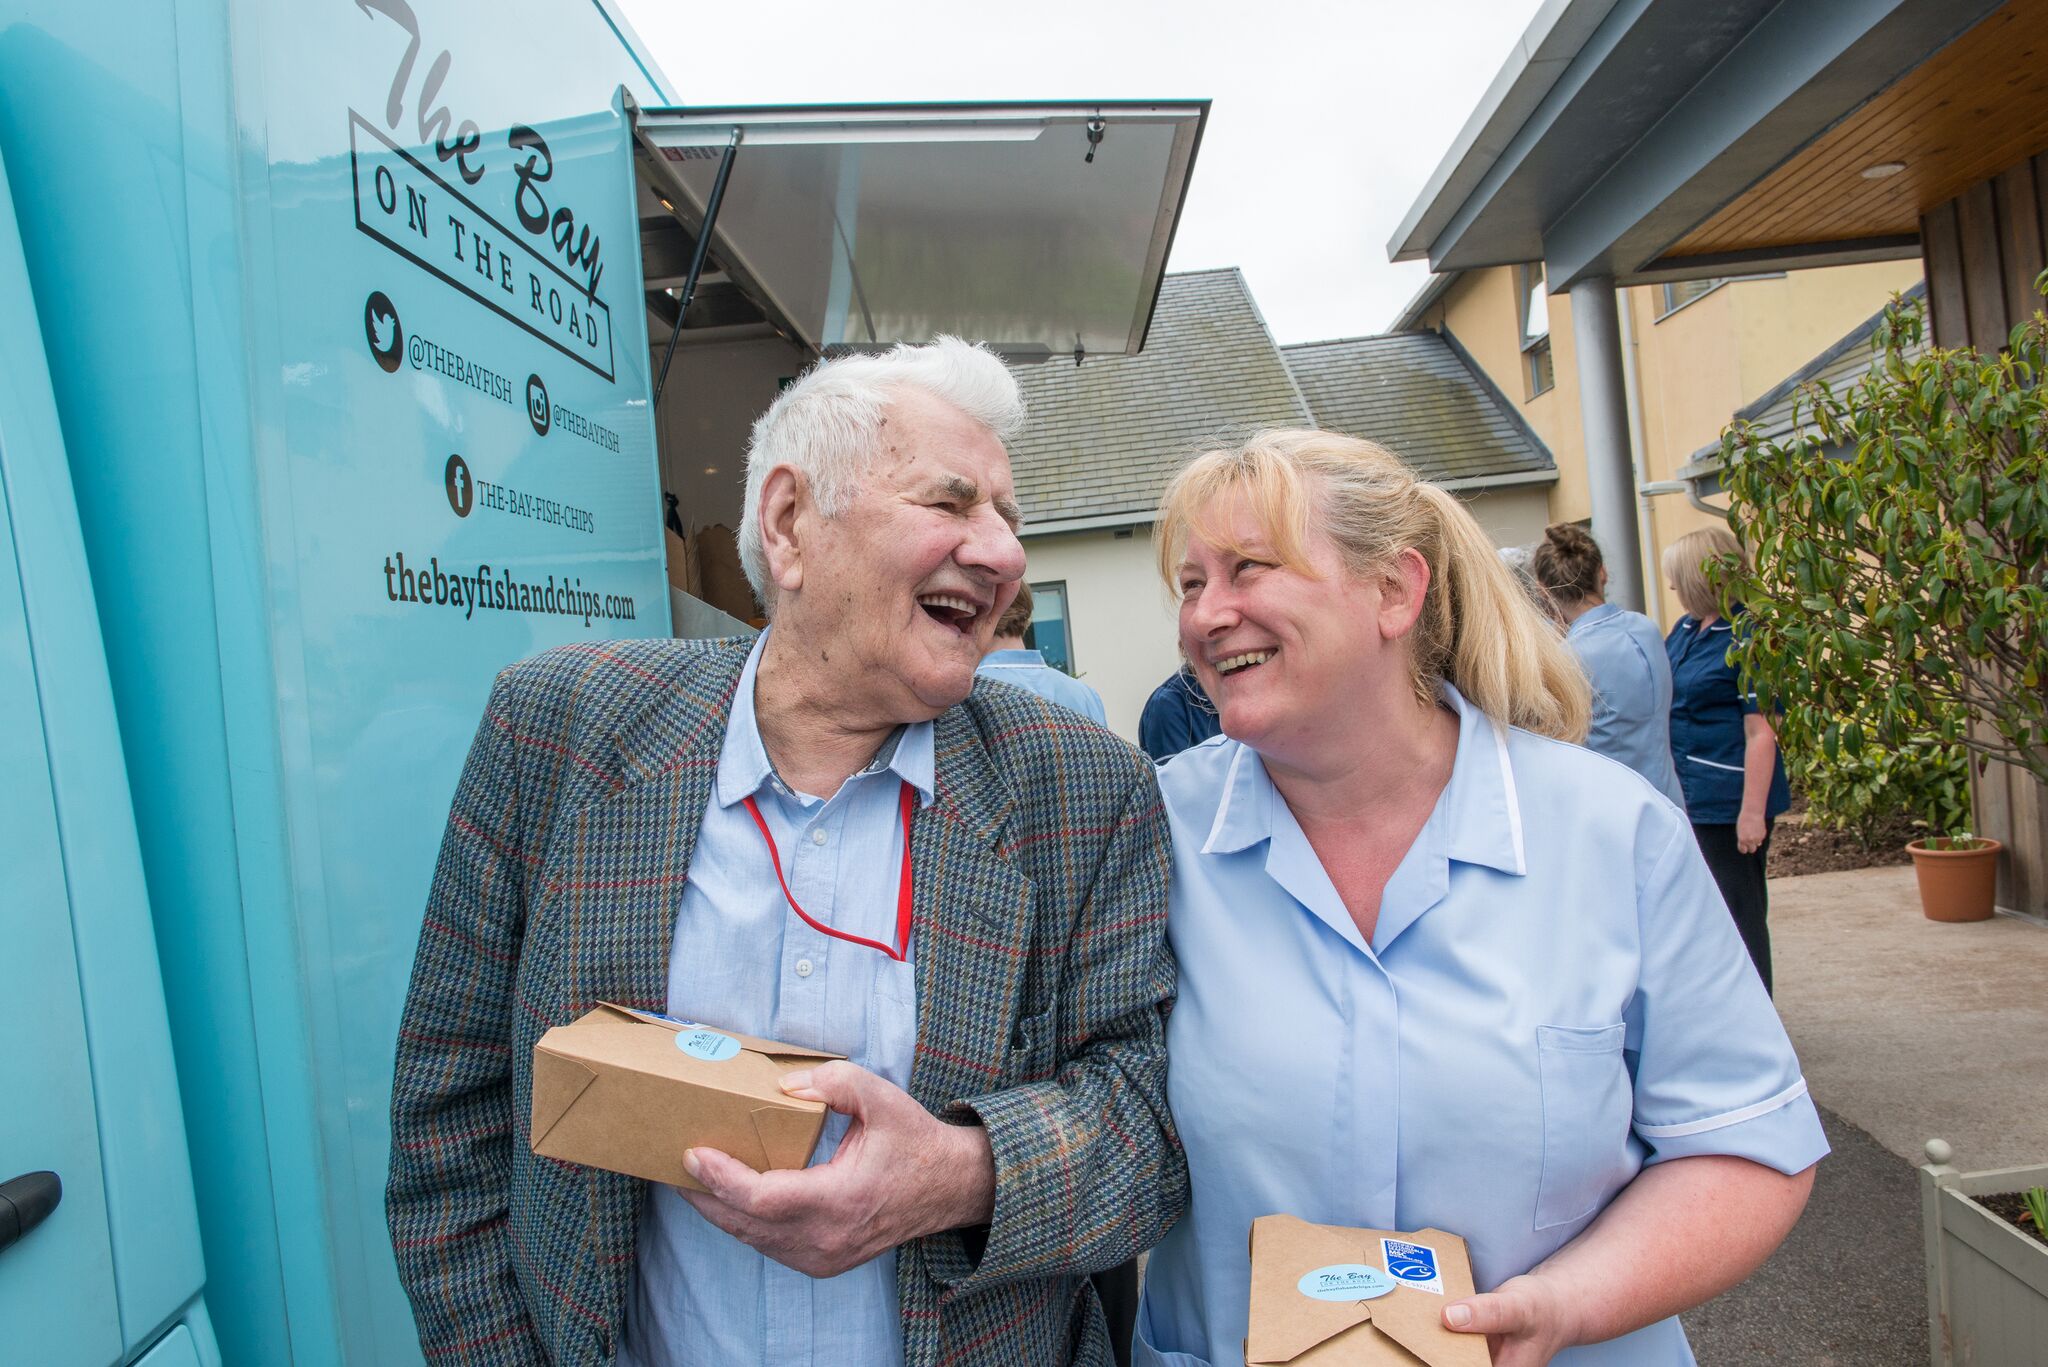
column 826, row 839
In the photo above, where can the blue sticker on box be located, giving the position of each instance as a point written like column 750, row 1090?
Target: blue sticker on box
column 1412, row 1265
column 1345, row 1282
column 708, row 1045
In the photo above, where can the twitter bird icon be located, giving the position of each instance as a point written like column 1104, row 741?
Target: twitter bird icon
column 380, row 327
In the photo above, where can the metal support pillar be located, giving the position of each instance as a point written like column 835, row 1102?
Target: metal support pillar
column 1603, row 408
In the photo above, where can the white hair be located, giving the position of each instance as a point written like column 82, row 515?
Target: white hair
column 825, row 426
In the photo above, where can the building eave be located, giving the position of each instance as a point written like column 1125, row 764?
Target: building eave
column 1092, row 523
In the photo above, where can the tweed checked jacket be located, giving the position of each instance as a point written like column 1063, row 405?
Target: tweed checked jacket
column 1043, row 978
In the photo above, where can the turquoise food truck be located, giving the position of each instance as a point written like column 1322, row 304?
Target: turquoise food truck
column 349, row 348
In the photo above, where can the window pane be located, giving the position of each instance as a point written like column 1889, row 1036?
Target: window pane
column 1048, row 634
column 1535, row 305
column 1541, row 373
column 1678, row 293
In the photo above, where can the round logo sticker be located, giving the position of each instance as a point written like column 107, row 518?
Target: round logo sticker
column 1345, row 1282
column 708, row 1045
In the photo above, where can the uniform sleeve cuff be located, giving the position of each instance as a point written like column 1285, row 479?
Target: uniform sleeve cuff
column 1782, row 1132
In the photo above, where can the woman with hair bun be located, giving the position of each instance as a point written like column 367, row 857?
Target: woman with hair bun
column 1440, row 966
column 1622, row 653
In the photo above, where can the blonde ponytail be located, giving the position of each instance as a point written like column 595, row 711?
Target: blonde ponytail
column 1502, row 654
column 1478, row 629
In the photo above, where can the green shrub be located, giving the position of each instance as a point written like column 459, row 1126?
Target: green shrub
column 1866, row 792
column 1897, row 597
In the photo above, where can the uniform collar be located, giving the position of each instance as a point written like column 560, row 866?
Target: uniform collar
column 1001, row 659
column 1477, row 818
column 743, row 764
column 1480, row 813
column 1592, row 617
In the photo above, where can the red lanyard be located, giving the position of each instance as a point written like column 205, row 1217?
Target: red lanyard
column 902, row 945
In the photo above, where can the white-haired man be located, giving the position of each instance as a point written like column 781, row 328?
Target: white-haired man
column 831, row 837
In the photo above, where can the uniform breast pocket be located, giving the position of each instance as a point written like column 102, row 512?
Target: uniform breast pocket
column 1587, row 1102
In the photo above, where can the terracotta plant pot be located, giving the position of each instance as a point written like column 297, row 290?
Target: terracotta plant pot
column 1957, row 885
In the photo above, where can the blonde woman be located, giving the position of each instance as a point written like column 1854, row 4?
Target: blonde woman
column 1722, row 742
column 1441, row 966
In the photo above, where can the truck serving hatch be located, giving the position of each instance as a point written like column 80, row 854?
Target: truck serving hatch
column 1040, row 229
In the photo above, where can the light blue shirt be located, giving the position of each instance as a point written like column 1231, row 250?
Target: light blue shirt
column 1554, row 996
column 1624, row 656
column 1028, row 669
column 742, row 959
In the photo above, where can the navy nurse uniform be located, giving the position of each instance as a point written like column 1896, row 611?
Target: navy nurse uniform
column 1553, row 998
column 1708, row 704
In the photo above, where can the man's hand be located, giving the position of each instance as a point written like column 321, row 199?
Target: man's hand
column 1524, row 1320
column 899, row 1173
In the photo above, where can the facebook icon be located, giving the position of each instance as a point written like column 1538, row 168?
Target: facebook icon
column 461, row 489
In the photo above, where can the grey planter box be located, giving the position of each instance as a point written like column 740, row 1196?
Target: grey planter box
column 1987, row 1282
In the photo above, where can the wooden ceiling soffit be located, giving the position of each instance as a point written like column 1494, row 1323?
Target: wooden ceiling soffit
column 1974, row 108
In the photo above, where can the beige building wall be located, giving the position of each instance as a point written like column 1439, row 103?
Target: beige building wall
column 1124, row 627
column 1694, row 368
column 1482, row 311
column 1514, row 516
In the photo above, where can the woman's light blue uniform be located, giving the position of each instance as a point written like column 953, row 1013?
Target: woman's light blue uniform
column 1554, row 997
column 1631, row 675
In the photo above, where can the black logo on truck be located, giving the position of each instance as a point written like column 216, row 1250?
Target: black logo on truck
column 538, row 410
column 382, row 332
column 460, row 487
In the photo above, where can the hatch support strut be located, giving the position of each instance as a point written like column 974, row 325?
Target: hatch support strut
column 697, row 255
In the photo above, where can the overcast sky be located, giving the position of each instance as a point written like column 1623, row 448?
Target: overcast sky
column 1328, row 116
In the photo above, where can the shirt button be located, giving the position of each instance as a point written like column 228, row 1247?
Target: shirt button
column 803, row 968
column 817, row 835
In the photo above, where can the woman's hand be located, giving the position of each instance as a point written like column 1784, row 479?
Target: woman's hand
column 1525, row 1320
column 1750, row 830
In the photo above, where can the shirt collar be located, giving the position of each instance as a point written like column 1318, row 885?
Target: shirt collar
column 1480, row 812
column 1477, row 818
column 1002, row 658
column 1592, row 616
column 743, row 764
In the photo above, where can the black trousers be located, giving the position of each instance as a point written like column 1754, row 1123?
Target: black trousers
column 1741, row 877
column 1117, row 1289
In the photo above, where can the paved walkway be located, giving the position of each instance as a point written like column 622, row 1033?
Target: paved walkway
column 1910, row 1029
column 1907, row 1030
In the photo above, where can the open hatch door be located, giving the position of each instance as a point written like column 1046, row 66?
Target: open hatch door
column 1040, row 229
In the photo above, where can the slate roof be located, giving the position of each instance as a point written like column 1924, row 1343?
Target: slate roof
column 1104, row 437
column 1417, row 394
column 1840, row 367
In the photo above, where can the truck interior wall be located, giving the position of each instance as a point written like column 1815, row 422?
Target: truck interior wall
column 715, row 391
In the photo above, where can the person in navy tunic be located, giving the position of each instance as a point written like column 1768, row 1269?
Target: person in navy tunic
column 1722, row 741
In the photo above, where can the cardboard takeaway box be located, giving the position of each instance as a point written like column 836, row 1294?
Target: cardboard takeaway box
column 1327, row 1296
column 629, row 1091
